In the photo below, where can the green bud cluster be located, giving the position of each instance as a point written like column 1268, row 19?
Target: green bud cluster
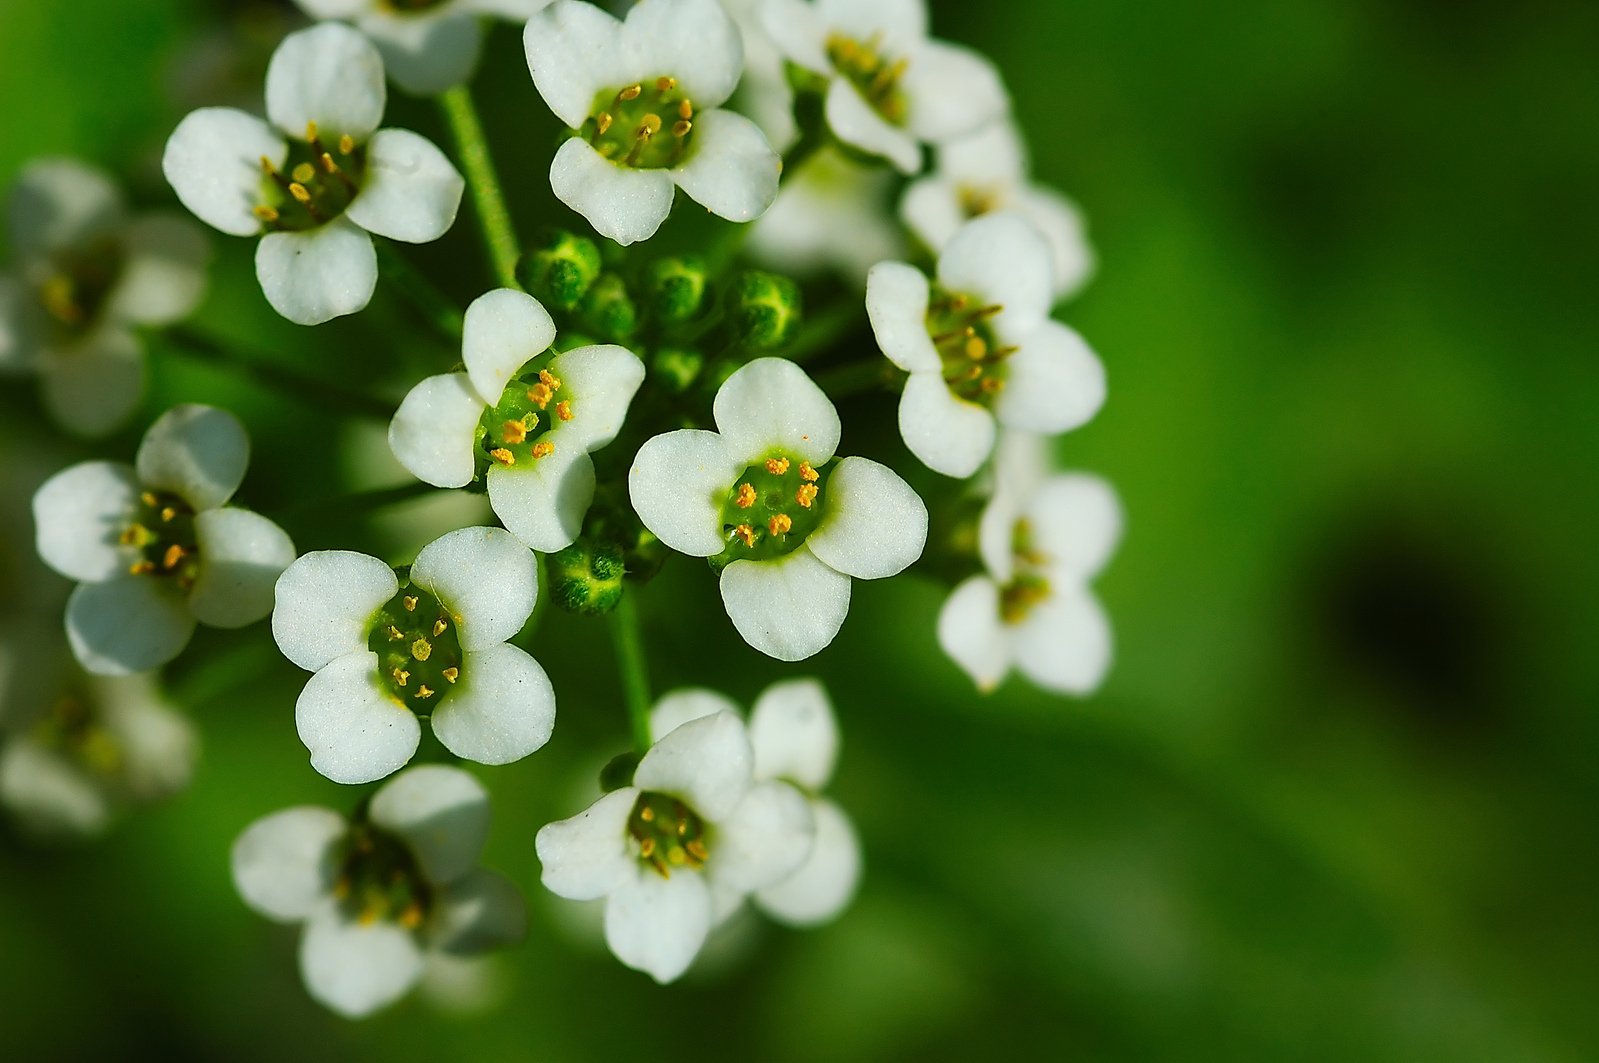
column 586, row 577
column 675, row 289
column 764, row 309
column 559, row 268
column 608, row 310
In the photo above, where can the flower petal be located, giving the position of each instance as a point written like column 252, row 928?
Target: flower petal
column 875, row 525
column 320, row 274
column 482, row 911
column 324, row 605
column 487, row 580
column 505, row 329
column 896, row 304
column 543, row 503
column 770, row 405
column 794, row 734
column 78, row 514
column 163, row 277
column 213, row 162
column 1002, row 259
column 682, row 706
column 854, row 122
column 765, row 840
column 441, row 813
column 797, row 29
column 1055, row 382
column 19, row 342
column 242, row 554
column 320, row 9
column 898, row 23
column 970, row 631
column 197, row 452
column 284, row 864
column 434, row 429
column 424, row 55
column 694, row 41
column 329, row 74
column 47, row 794
column 127, row 625
column 657, row 925
column 622, row 203
column 356, row 967
column 58, row 204
column 1062, row 224
column 1077, row 522
column 789, row 609
column 678, row 484
column 411, row 191
column 707, row 762
column 601, row 381
column 354, row 730
column 574, row 50
column 952, row 91
column 1064, row 644
column 931, row 209
column 92, row 387
column 586, row 857
column 824, row 885
column 511, row 10
column 994, row 156
column 731, row 170
column 501, row 709
column 948, row 434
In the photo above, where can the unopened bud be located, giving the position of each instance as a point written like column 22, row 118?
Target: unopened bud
column 586, row 577
column 608, row 310
column 676, row 368
column 559, row 268
column 764, row 309
column 675, row 288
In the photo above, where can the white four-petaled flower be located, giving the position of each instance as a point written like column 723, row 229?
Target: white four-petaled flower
column 765, row 498
column 528, row 432
column 319, row 179
column 832, row 214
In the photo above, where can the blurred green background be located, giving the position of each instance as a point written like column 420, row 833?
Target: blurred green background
column 1338, row 798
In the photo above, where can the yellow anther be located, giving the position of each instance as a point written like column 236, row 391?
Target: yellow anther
column 268, row 167
column 549, row 380
column 646, row 848
column 540, row 394
column 513, row 432
column 439, row 625
column 808, row 474
column 310, row 131
column 367, row 917
column 992, row 385
column 805, row 495
column 395, row 634
column 777, row 466
column 649, row 126
column 697, row 850
column 410, row 602
column 304, row 173
column 647, row 814
column 411, row 918
column 746, row 533
column 503, row 456
column 543, row 449
column 563, row 409
column 780, row 523
column 266, row 214
column 666, row 84
column 346, row 144
column 141, row 568
column 174, row 554
column 632, row 92
column 682, row 828
column 681, row 128
column 746, row 496
column 167, row 513
column 328, row 164
column 421, row 649
column 400, row 675
column 685, row 110
column 424, row 691
column 602, row 122
column 148, row 498
column 299, row 192
column 451, row 674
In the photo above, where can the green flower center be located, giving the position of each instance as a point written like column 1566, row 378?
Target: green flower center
column 771, row 509
column 1028, row 586
column 874, row 75
column 71, row 728
column 514, row 430
column 418, row 645
column 647, row 125
column 977, row 200
column 76, row 290
column 315, row 185
column 163, row 537
column 670, row 835
column 973, row 360
column 379, row 878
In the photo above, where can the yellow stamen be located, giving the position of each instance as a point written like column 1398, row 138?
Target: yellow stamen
column 685, row 110
column 310, row 131
column 299, row 192
column 646, row 848
column 168, row 513
column 173, row 555
column 346, row 144
column 148, row 498
column 563, row 409
column 808, row 474
column 780, row 524
column 266, row 214
column 305, row 173
column 647, row 814
column 421, row 649
column 632, row 92
column 395, row 634
column 411, row 918
column 410, row 603
column 666, row 84
column 424, row 691
column 451, row 674
column 328, row 164
column 540, row 394
column 745, row 532
column 681, row 128
column 400, row 675
column 777, row 466
column 676, row 856
column 513, row 432
column 697, row 850
column 746, row 496
column 602, row 122
column 439, row 625
column 549, row 380
column 543, row 449
column 142, row 568
column 805, row 495
column 503, row 456
column 976, row 348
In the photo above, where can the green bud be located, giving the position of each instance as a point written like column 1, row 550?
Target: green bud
column 676, row 368
column 608, row 310
column 618, row 771
column 586, row 577
column 675, row 288
column 764, row 309
column 559, row 268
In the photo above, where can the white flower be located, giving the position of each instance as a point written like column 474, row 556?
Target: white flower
column 831, row 214
column 985, row 172
column 979, row 345
column 785, row 522
column 381, row 894
column 155, row 547
column 385, row 653
column 428, row 45
column 85, row 274
column 528, row 428
column 674, row 853
column 317, row 180
column 1032, row 608
column 889, row 86
column 642, row 97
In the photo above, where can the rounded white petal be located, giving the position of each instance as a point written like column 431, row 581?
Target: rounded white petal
column 1002, row 259
column 765, row 840
column 826, row 882
column 931, row 209
column 159, row 744
column 325, row 602
column 354, row 730
column 622, row 203
column 896, row 304
column 1062, row 224
column 213, row 162
column 601, row 381
column 164, row 275
column 355, row 967
column 707, row 762
column 586, row 857
column 794, row 733
column 93, row 386
column 57, row 204
column 425, row 55
column 197, row 452
column 770, row 405
column 320, row 274
column 242, row 554
column 657, row 925
column 970, row 631
column 797, row 29
column 952, row 91
column 875, row 525
column 442, row 814
column 1055, row 382
column 48, row 794
column 501, row 709
column 996, row 531
column 899, row 23
column 1076, row 523
column 127, row 625
column 479, row 912
column 434, row 430
column 731, row 170
column 411, row 191
column 948, row 434
column 512, row 10
column 683, row 706
column 678, row 484
column 574, row 50
column 504, row 330
column 329, row 74
column 487, row 580
column 995, row 156
column 334, row 8
column 854, row 122
column 543, row 503
column 78, row 514
column 284, row 865
column 789, row 609
column 1064, row 644
column 694, row 41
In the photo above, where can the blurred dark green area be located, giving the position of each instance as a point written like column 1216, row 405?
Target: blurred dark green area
column 1337, row 800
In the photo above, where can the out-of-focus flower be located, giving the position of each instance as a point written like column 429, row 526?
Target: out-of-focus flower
column 831, row 214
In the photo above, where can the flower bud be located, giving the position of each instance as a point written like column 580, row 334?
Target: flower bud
column 608, row 310
column 675, row 288
column 559, row 268
column 676, row 368
column 764, row 309
column 586, row 577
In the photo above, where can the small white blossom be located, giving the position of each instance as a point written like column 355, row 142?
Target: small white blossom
column 382, row 894
column 428, row 45
column 319, row 179
column 85, row 274
column 986, row 172
column 677, row 851
column 643, row 98
column 528, row 431
column 890, row 88
column 155, row 546
column 832, row 214
column 979, row 345
column 386, row 653
column 787, row 523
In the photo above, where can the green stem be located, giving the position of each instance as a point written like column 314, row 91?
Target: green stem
column 876, row 374
column 495, row 218
column 434, row 307
column 822, row 330
column 634, row 670
column 260, row 368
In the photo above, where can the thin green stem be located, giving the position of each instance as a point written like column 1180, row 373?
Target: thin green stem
column 495, row 218
column 634, row 670
column 260, row 368
column 822, row 330
column 430, row 303
column 859, row 378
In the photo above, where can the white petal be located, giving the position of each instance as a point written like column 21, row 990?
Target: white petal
column 159, row 744
column 952, row 91
column 898, row 22
column 411, row 191
column 213, row 162
column 197, row 452
column 970, row 631
column 826, row 882
column 329, row 74
column 731, row 170
column 48, row 794
column 325, row 602
column 543, row 503
column 487, row 580
column 1062, row 224
column 896, row 304
column 434, row 429
column 789, row 609
column 875, row 525
column 442, row 814
column 657, row 925
column 320, row 9
column 479, row 912
column 692, row 40
column 931, row 208
column 707, row 762
column 765, row 840
column 771, row 406
column 854, row 122
column 284, row 865
column 18, row 340
column 678, row 484
column 164, row 275
column 948, row 434
column 242, row 554
column 682, row 706
column 794, row 734
column 354, row 730
column 1002, row 259
column 425, row 55
column 512, row 10
column 320, row 274
column 505, row 329
column 622, row 203
column 127, row 625
column 1055, row 382
column 1077, row 522
column 1022, row 461
column 1064, row 644
column 601, row 381
column 798, row 30
column 574, row 50
column 501, row 709
column 996, row 532
column 355, row 968
column 586, row 857
column 994, row 156
column 57, row 204
column 78, row 514
column 92, row 387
